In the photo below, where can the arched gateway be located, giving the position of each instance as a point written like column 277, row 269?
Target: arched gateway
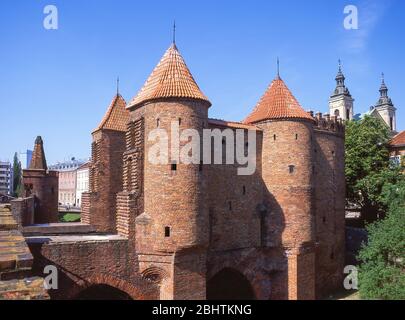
column 229, row 284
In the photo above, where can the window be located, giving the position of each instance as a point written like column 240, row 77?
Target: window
column 337, row 113
column 274, row 137
column 243, row 190
column 174, row 166
column 167, row 232
column 347, row 114
column 291, row 168
column 296, row 136
column 230, row 206
column 391, row 123
column 179, row 121
column 157, row 122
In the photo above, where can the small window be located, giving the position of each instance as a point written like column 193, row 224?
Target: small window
column 174, row 166
column 296, row 136
column 243, row 190
column 167, row 232
column 291, row 168
column 179, row 121
column 158, row 123
column 274, row 137
column 230, row 206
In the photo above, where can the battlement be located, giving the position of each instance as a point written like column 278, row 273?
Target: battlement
column 326, row 122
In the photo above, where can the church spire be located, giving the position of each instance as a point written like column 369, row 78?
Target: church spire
column 384, row 99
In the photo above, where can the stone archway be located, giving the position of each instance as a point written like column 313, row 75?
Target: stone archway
column 229, row 284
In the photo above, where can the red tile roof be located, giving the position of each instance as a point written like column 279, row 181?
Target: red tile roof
column 116, row 117
column 170, row 78
column 277, row 103
column 398, row 140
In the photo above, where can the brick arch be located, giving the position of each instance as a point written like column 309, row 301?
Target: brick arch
column 246, row 268
column 155, row 274
column 230, row 284
column 139, row 290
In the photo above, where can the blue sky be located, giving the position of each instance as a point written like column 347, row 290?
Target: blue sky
column 58, row 83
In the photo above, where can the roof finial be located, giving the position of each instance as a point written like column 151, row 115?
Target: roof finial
column 174, row 32
column 278, row 68
column 340, row 65
column 382, row 77
column 118, row 86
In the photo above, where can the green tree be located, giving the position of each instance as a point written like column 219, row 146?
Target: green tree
column 17, row 176
column 382, row 269
column 368, row 167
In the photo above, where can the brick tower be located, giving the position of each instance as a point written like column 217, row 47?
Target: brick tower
column 42, row 185
column 287, row 162
column 99, row 204
column 171, row 230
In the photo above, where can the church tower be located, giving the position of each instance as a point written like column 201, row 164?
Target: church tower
column 341, row 101
column 385, row 107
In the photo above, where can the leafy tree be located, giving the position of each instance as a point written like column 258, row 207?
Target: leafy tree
column 368, row 167
column 17, row 174
column 382, row 269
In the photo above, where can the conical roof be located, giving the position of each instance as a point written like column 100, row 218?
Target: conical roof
column 277, row 103
column 171, row 78
column 38, row 161
column 116, row 117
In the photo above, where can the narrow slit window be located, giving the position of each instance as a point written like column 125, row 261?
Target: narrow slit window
column 157, row 123
column 179, row 121
column 274, row 137
column 174, row 166
column 243, row 190
column 167, row 232
column 296, row 136
column 291, row 168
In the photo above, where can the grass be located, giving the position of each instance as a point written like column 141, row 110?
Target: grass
column 69, row 217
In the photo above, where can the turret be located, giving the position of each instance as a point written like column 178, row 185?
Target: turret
column 175, row 213
column 287, row 172
column 42, row 184
column 106, row 167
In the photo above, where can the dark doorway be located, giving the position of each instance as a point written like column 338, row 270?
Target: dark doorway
column 102, row 292
column 229, row 284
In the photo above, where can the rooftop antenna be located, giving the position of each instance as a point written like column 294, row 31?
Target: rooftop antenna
column 174, row 32
column 382, row 77
column 118, row 86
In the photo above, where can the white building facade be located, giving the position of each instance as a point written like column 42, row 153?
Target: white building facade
column 6, row 178
column 82, row 182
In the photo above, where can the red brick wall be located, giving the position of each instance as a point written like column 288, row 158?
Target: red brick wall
column 81, row 264
column 106, row 172
column 43, row 185
column 330, row 210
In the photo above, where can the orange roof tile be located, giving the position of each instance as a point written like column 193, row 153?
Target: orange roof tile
column 116, row 117
column 170, row 78
column 398, row 140
column 277, row 103
column 232, row 124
